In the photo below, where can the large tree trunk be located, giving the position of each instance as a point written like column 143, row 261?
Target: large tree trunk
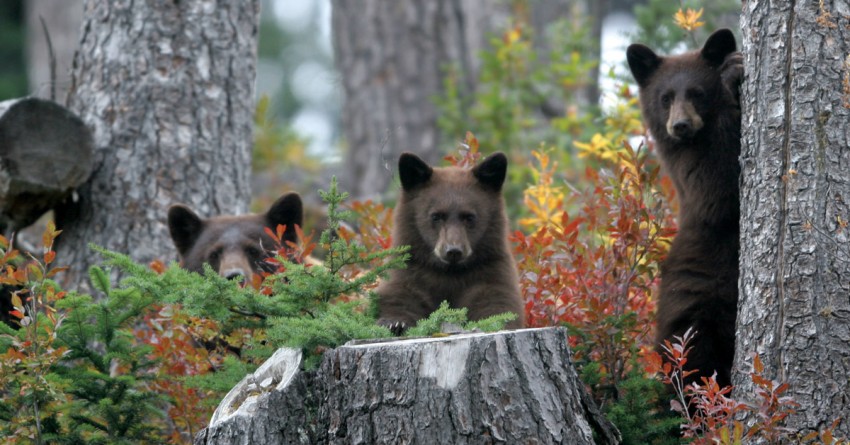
column 794, row 309
column 167, row 88
column 393, row 56
column 510, row 387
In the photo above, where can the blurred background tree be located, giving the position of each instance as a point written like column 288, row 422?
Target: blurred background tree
column 297, row 122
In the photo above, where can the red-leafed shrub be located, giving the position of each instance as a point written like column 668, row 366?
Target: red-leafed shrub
column 589, row 259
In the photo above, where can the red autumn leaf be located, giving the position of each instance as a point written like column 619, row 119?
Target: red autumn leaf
column 157, row 266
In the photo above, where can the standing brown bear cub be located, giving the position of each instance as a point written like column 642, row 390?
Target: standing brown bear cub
column 454, row 221
column 690, row 105
column 234, row 246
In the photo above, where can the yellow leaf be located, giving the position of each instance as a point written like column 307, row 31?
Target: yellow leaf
column 16, row 301
column 688, row 20
column 544, row 200
column 513, row 35
column 600, row 147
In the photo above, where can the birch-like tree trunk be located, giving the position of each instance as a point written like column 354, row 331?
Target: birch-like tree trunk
column 393, row 56
column 167, row 89
column 794, row 308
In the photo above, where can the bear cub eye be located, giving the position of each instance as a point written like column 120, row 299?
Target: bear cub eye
column 696, row 94
column 469, row 219
column 253, row 252
column 667, row 99
column 215, row 255
column 437, row 217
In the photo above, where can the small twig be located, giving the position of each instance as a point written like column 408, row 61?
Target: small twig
column 51, row 57
column 247, row 314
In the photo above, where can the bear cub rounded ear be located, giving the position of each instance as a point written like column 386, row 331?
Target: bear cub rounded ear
column 720, row 44
column 185, row 227
column 642, row 62
column 288, row 211
column 492, row 170
column 413, row 171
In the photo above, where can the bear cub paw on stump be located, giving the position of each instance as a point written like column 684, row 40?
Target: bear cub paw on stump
column 454, row 221
column 690, row 105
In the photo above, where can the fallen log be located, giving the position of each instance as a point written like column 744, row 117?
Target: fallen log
column 508, row 387
column 45, row 152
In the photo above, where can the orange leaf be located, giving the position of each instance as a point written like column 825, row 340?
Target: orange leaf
column 281, row 229
column 270, row 233
column 758, row 366
column 157, row 266
column 55, row 271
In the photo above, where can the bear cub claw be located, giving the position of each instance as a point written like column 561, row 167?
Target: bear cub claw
column 396, row 327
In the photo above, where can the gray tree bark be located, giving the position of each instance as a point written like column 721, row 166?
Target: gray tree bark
column 509, row 387
column 167, row 89
column 794, row 309
column 393, row 57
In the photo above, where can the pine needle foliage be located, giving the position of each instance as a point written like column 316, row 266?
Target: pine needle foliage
column 206, row 295
column 638, row 411
column 71, row 373
column 326, row 329
column 306, row 306
column 312, row 288
column 445, row 315
column 332, row 309
column 105, row 369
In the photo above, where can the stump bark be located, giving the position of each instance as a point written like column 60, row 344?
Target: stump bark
column 507, row 387
column 45, row 153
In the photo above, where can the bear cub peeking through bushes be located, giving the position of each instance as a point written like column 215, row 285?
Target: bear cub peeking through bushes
column 690, row 105
column 454, row 221
column 234, row 246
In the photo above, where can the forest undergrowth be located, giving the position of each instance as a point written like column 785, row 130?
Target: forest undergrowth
column 147, row 359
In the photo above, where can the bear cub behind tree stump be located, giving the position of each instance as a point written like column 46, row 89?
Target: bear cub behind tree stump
column 691, row 107
column 454, row 221
column 234, row 246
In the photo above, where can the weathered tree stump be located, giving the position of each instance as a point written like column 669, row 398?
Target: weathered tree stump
column 45, row 152
column 508, row 387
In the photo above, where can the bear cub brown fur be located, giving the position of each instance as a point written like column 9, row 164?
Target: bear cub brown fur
column 691, row 107
column 234, row 246
column 454, row 221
